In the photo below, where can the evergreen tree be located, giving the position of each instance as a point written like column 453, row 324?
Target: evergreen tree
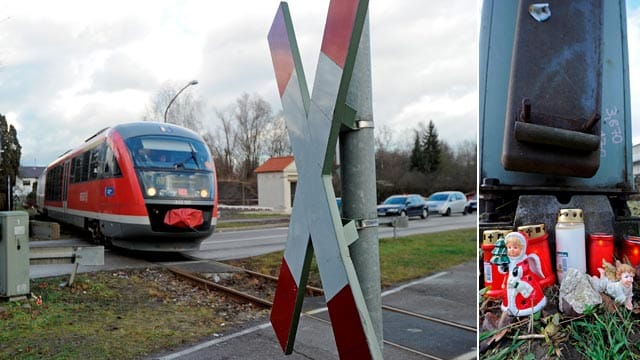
column 427, row 150
column 431, row 149
column 417, row 159
column 10, row 159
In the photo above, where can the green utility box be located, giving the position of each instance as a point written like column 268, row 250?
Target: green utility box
column 14, row 254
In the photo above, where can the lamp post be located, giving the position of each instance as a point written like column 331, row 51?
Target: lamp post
column 192, row 82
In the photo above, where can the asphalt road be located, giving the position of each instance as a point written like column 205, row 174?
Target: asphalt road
column 228, row 245
column 239, row 244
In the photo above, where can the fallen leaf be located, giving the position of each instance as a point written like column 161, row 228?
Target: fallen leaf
column 490, row 322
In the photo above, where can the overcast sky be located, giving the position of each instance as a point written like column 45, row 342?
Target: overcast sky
column 71, row 68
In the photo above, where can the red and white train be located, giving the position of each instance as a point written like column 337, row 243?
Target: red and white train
column 141, row 186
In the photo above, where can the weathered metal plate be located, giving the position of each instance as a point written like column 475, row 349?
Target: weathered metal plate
column 496, row 47
column 556, row 67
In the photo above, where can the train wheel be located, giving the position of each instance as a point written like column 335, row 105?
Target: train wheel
column 96, row 235
column 106, row 241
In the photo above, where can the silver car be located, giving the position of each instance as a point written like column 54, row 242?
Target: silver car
column 447, row 202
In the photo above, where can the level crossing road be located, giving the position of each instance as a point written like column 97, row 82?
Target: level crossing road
column 240, row 244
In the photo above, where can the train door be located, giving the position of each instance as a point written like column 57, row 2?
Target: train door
column 65, row 184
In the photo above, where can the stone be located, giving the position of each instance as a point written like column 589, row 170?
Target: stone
column 577, row 293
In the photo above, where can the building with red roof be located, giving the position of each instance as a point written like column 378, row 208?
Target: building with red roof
column 277, row 180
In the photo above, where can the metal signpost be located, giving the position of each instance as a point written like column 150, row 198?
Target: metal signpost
column 340, row 102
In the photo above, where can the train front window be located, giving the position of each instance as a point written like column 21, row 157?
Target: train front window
column 172, row 167
column 169, row 153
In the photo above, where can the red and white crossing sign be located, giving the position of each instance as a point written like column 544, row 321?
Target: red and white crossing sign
column 313, row 124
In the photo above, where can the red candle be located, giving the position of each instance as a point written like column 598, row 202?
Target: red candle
column 493, row 278
column 631, row 250
column 538, row 243
column 600, row 248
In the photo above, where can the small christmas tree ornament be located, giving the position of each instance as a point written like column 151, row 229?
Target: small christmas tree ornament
column 500, row 256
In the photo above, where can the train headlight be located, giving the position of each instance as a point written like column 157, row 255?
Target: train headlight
column 204, row 193
column 152, row 191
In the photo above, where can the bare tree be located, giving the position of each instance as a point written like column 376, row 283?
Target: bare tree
column 186, row 109
column 247, row 131
column 467, row 159
column 252, row 114
column 276, row 138
column 223, row 144
column 384, row 138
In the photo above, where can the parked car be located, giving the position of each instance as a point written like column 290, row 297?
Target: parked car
column 409, row 205
column 447, row 202
column 472, row 204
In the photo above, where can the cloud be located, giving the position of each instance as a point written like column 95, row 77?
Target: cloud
column 121, row 72
column 70, row 68
column 56, row 131
column 454, row 117
column 422, row 59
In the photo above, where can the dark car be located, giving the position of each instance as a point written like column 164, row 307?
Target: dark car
column 472, row 204
column 408, row 205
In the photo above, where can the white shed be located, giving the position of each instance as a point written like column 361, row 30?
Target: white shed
column 277, row 179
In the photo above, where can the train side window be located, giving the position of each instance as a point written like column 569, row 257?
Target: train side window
column 97, row 158
column 111, row 168
column 53, row 184
column 76, row 169
column 85, row 165
column 72, row 174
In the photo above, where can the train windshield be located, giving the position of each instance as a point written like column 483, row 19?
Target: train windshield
column 169, row 153
column 172, row 167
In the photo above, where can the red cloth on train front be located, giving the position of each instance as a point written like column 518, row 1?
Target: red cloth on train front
column 184, row 217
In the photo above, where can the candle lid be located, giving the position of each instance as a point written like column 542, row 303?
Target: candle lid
column 570, row 216
column 491, row 236
column 601, row 236
column 532, row 231
column 632, row 239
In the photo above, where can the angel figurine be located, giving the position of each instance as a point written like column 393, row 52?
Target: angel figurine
column 524, row 292
column 621, row 290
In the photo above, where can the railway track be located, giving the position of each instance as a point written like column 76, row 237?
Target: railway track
column 415, row 339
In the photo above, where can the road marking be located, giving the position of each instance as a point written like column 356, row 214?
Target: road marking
column 213, row 342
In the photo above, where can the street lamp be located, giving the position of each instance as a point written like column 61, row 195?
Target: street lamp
column 192, row 82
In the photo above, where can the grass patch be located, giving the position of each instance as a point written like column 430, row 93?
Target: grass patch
column 607, row 335
column 127, row 315
column 401, row 259
column 234, row 225
column 411, row 257
column 244, row 219
column 259, row 215
column 101, row 317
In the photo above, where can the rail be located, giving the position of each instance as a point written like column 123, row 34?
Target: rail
column 312, row 314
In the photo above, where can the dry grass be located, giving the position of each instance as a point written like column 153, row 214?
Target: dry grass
column 113, row 316
column 127, row 315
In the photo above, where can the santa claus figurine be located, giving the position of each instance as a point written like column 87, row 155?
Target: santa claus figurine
column 522, row 284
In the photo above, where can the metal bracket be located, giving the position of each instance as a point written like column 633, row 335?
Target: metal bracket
column 351, row 227
column 363, row 124
column 366, row 223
